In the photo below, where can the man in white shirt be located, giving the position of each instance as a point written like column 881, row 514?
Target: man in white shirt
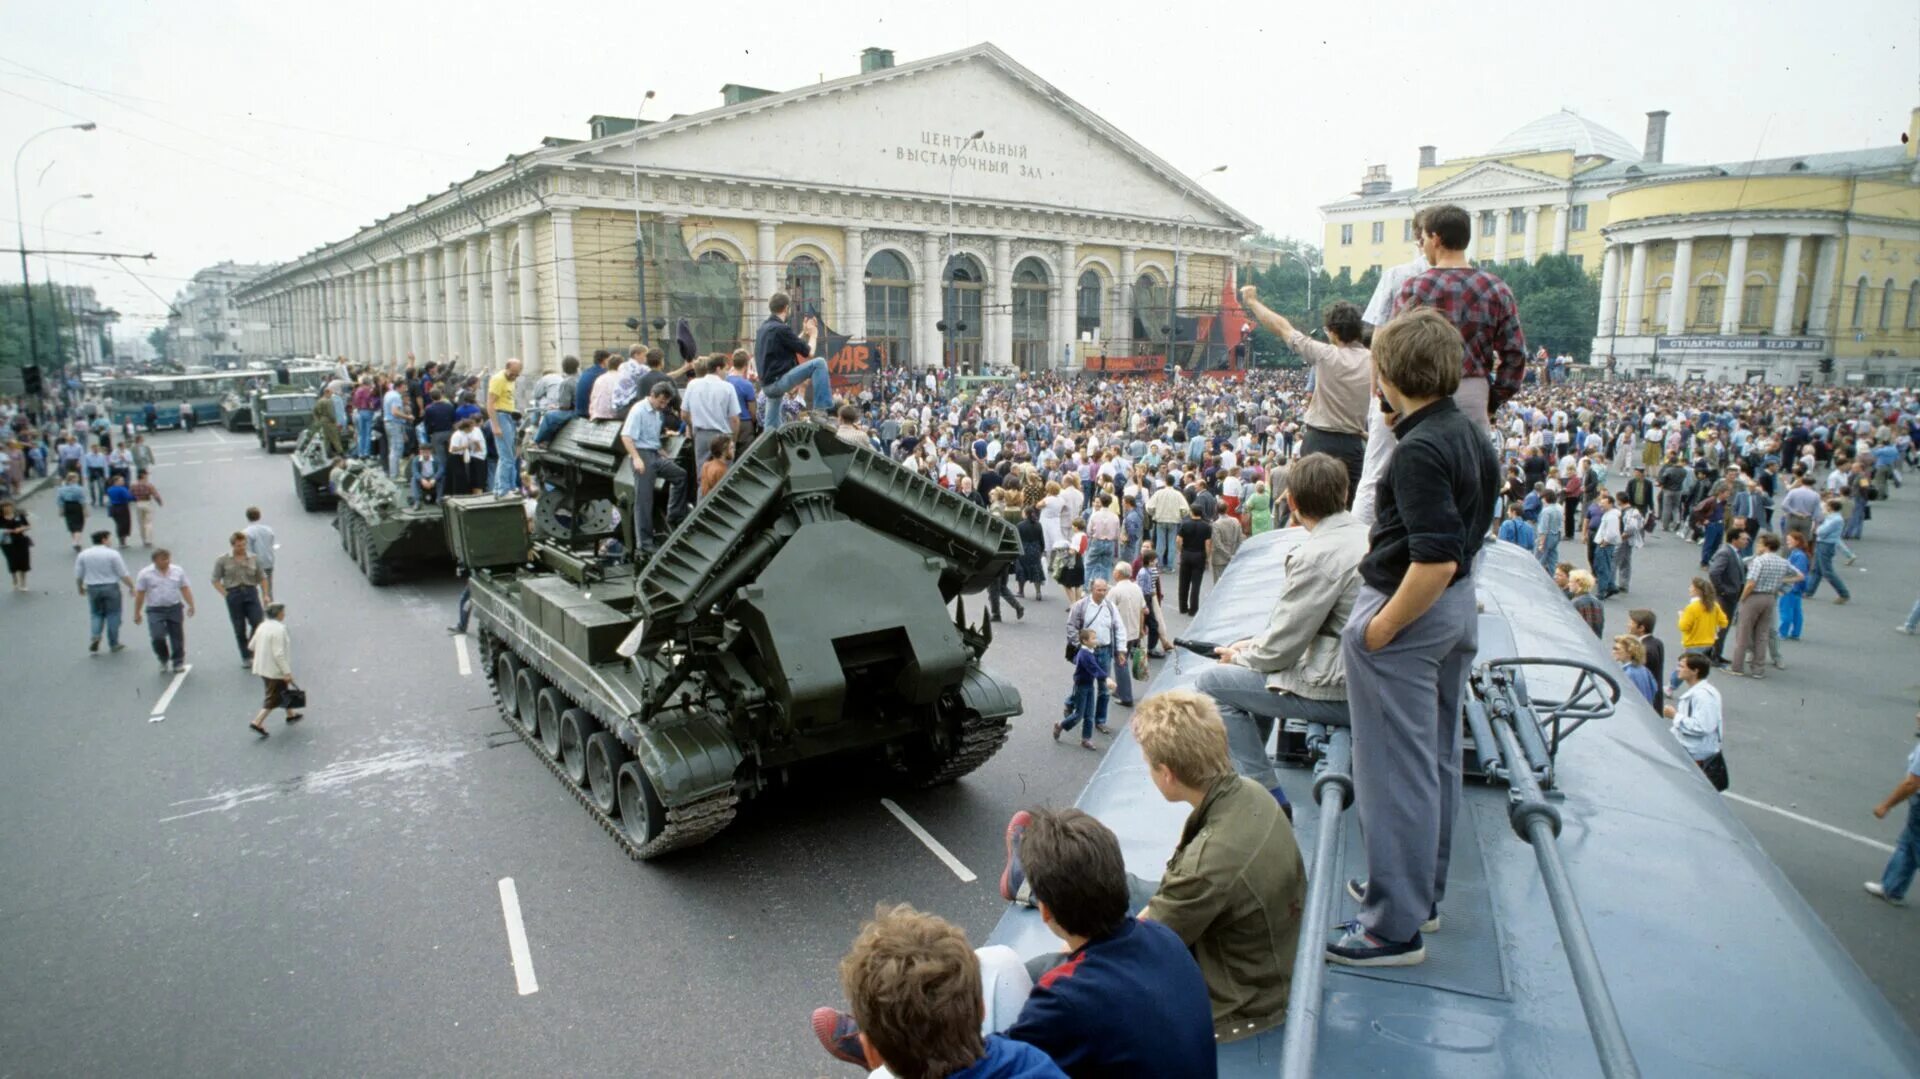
column 98, row 573
column 711, row 407
column 1095, row 611
column 1606, row 540
column 1697, row 712
column 163, row 598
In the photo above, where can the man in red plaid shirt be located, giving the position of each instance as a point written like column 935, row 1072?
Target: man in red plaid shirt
column 1478, row 304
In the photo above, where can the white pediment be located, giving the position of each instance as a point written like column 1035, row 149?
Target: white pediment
column 1493, row 179
column 905, row 130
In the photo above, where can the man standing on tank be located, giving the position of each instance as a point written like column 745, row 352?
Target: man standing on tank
column 1412, row 637
column 786, row 360
column 1477, row 303
column 641, row 434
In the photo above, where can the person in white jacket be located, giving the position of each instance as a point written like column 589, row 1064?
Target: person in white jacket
column 273, row 662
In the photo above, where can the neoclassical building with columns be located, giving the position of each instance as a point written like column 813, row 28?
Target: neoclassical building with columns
column 1051, row 238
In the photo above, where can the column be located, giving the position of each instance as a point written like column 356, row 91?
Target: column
column 766, row 271
column 566, row 287
column 1736, row 287
column 1677, row 307
column 369, row 316
column 1531, row 245
column 928, row 303
column 475, row 304
column 1635, row 321
column 1067, row 317
column 855, row 275
column 1502, row 225
column 455, row 334
column 530, row 364
column 389, row 322
column 416, row 320
column 1123, row 333
column 1473, row 235
column 1789, row 288
column 997, row 351
column 329, row 320
column 1609, row 292
column 499, row 304
column 1560, row 216
column 1820, row 306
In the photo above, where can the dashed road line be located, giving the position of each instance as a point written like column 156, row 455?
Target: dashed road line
column 517, row 938
column 460, row 654
column 959, row 868
column 1885, row 848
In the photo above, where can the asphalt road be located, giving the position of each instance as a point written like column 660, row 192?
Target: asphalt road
column 184, row 899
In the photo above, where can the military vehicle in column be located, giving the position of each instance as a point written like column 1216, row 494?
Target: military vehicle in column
column 280, row 415
column 313, row 462
column 811, row 607
column 378, row 530
column 236, row 411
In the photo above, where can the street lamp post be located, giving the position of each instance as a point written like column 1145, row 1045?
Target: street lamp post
column 1173, row 276
column 951, row 316
column 20, row 223
column 52, row 296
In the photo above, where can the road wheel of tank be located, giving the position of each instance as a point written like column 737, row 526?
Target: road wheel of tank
column 307, row 500
column 362, row 546
column 605, row 757
column 340, row 525
column 641, row 814
column 526, row 692
column 379, row 570
column 549, row 703
column 506, row 668
column 576, row 726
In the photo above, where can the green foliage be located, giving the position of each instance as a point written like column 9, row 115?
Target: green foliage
column 1283, row 287
column 13, row 330
column 159, row 340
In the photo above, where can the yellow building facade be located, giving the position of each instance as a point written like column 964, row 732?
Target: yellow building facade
column 1047, row 235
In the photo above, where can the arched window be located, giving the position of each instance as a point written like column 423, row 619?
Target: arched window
column 1753, row 301
column 1030, row 315
column 1087, row 304
column 802, row 286
column 1706, row 310
column 1886, row 304
column 960, row 298
column 889, row 319
column 1859, row 303
column 1152, row 314
column 709, row 299
column 1913, row 306
column 1662, row 303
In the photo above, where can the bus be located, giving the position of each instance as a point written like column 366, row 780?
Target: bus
column 129, row 397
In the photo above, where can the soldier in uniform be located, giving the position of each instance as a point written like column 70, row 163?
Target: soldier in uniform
column 323, row 421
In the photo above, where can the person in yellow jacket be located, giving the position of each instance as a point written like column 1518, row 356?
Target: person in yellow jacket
column 1700, row 621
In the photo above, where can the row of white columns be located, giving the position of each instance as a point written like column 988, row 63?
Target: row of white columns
column 450, row 299
column 1626, row 314
column 1530, row 236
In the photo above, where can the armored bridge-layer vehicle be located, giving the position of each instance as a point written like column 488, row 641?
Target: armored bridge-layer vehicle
column 1606, row 913
column 809, row 608
column 378, row 530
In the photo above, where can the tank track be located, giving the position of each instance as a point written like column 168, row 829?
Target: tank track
column 687, row 826
column 980, row 739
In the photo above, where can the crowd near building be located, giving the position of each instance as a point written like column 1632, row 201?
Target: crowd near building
column 954, row 209
column 1784, row 270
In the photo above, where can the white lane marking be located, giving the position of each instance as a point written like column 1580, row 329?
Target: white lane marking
column 1886, row 848
column 517, row 938
column 460, row 653
column 959, row 869
column 190, row 462
column 160, row 706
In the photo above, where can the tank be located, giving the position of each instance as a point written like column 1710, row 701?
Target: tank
column 280, row 415
column 313, row 463
column 378, row 530
column 236, row 412
column 663, row 695
column 1606, row 912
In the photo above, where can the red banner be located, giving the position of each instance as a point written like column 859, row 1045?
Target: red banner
column 854, row 362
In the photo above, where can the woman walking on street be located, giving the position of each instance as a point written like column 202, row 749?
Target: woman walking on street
column 1792, row 608
column 1031, row 567
column 16, row 543
column 71, row 497
column 273, row 662
column 120, row 507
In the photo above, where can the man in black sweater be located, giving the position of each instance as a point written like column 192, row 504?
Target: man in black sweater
column 1411, row 639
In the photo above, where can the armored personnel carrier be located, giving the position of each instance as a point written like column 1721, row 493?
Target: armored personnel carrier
column 378, row 530
column 810, row 607
column 313, row 462
column 236, row 411
column 280, row 415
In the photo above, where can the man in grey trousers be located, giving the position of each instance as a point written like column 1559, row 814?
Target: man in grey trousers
column 1293, row 670
column 1411, row 639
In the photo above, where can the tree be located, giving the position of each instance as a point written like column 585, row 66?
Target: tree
column 158, row 339
column 14, row 351
column 1559, row 304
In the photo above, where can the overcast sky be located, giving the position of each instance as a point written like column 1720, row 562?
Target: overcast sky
column 254, row 132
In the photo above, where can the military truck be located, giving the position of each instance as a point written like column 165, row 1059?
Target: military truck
column 811, row 607
column 279, row 415
column 378, row 530
column 313, row 462
column 236, row 411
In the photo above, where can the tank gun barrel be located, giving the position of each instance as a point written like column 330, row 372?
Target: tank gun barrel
column 1536, row 820
column 1333, row 790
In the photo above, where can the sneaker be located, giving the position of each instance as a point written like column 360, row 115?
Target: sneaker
column 1908, row 630
column 839, row 1036
column 165, row 667
column 94, row 645
column 1873, row 889
column 1357, row 888
column 1841, row 601
column 455, row 630
column 179, row 668
column 1013, row 879
column 116, row 648
column 1358, row 948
